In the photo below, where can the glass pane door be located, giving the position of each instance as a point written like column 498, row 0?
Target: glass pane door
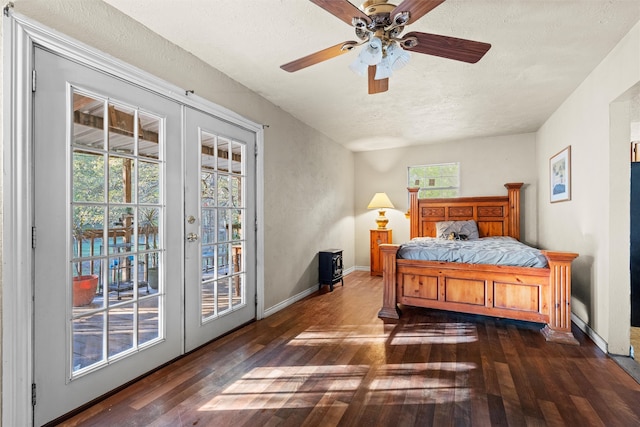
column 107, row 308
column 222, row 213
column 220, row 246
column 116, row 243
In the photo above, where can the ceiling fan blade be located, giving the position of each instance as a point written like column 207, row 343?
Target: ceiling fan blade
column 416, row 8
column 314, row 58
column 343, row 10
column 447, row 47
column 376, row 86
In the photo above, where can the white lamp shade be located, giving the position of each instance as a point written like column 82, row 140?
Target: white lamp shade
column 386, row 59
column 402, row 59
column 372, row 53
column 380, row 201
column 359, row 67
column 383, row 70
column 397, row 56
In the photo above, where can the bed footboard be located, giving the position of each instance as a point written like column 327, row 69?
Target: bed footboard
column 522, row 293
column 558, row 329
column 389, row 308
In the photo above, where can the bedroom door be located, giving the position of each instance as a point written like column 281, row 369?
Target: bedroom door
column 220, row 218
column 103, row 150
column 635, row 244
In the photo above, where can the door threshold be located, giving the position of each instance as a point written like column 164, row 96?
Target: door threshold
column 629, row 365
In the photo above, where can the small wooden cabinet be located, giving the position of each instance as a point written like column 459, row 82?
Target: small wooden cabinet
column 378, row 237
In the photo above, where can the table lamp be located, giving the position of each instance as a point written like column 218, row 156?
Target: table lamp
column 381, row 201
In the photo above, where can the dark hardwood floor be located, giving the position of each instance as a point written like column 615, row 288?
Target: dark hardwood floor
column 328, row 360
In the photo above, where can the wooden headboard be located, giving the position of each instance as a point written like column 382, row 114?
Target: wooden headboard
column 495, row 215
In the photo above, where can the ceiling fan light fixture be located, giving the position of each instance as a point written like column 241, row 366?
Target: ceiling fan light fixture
column 372, row 52
column 397, row 57
column 383, row 70
column 359, row 67
column 402, row 60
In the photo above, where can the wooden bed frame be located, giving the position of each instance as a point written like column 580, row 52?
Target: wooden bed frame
column 523, row 293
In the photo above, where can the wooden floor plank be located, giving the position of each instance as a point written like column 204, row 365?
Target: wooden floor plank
column 329, row 361
column 496, row 410
column 551, row 414
column 509, row 394
column 587, row 412
column 517, row 367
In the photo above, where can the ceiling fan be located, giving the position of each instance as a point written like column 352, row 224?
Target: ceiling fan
column 379, row 25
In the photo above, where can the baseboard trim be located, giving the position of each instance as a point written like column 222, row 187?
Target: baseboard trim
column 597, row 339
column 349, row 271
column 286, row 303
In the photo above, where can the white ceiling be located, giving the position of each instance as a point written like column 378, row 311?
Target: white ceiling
column 541, row 51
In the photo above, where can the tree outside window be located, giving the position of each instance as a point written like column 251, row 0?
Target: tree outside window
column 436, row 180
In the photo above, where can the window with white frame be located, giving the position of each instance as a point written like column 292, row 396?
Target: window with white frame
column 436, row 180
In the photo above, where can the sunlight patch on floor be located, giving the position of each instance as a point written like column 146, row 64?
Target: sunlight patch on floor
column 418, row 377
column 345, row 334
column 306, row 386
column 436, row 333
column 298, row 386
column 421, row 333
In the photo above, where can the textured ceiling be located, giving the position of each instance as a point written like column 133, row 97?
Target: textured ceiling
column 541, row 51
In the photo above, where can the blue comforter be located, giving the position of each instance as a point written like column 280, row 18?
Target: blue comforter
column 488, row 250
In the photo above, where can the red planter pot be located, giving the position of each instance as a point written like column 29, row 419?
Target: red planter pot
column 84, row 289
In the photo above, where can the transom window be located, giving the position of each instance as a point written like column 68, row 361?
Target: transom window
column 436, row 180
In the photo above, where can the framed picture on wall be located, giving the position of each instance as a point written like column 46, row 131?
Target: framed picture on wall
column 560, row 176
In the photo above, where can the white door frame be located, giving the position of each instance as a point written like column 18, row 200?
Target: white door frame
column 20, row 34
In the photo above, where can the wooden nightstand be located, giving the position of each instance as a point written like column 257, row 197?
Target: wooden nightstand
column 377, row 238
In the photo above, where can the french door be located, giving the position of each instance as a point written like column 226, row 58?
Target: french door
column 100, row 172
column 220, row 227
column 141, row 240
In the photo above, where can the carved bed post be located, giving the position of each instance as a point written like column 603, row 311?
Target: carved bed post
column 559, row 327
column 389, row 308
column 414, row 219
column 514, row 208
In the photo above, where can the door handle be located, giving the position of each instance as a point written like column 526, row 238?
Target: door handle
column 192, row 237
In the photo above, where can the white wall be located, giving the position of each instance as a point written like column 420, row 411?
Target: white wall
column 308, row 183
column 594, row 120
column 308, row 204
column 486, row 164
